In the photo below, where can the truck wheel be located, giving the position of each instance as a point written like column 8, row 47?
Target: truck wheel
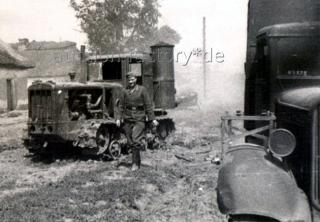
column 250, row 218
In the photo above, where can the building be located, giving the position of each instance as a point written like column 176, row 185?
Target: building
column 13, row 66
column 53, row 61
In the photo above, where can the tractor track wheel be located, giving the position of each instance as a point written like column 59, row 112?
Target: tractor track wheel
column 114, row 149
column 165, row 127
column 102, row 139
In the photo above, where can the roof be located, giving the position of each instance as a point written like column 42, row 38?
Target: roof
column 71, row 85
column 162, row 44
column 45, row 45
column 292, row 29
column 303, row 98
column 118, row 56
column 9, row 58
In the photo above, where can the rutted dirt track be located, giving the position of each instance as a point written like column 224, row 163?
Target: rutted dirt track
column 73, row 188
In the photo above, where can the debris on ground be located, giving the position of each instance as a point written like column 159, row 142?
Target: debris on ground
column 175, row 183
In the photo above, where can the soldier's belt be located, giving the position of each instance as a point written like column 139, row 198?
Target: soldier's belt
column 134, row 108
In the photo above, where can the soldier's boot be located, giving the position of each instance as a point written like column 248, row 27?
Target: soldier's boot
column 136, row 159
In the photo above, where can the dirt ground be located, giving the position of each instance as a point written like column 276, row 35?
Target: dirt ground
column 175, row 183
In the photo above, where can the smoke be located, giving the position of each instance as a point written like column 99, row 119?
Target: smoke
column 226, row 29
column 224, row 85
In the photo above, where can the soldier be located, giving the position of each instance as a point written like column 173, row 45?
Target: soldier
column 134, row 108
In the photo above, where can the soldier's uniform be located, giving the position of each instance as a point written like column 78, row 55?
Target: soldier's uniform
column 135, row 107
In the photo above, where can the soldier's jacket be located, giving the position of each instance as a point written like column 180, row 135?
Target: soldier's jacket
column 135, row 105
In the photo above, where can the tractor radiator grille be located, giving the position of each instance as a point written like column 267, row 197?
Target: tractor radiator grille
column 41, row 105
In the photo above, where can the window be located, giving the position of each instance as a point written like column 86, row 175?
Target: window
column 299, row 57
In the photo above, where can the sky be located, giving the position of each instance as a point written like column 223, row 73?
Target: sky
column 40, row 20
column 54, row 20
column 47, row 20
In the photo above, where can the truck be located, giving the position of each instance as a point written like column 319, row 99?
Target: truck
column 265, row 178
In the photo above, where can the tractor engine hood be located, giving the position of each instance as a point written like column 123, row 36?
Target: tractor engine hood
column 253, row 182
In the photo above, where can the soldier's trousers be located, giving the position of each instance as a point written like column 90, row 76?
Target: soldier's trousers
column 135, row 133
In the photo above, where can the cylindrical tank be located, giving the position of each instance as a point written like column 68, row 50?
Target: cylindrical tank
column 163, row 75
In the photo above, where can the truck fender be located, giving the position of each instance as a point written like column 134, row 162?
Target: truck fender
column 252, row 182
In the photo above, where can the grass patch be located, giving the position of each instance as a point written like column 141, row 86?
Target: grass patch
column 72, row 198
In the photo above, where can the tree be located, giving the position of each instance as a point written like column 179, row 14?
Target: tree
column 114, row 26
column 167, row 34
column 163, row 34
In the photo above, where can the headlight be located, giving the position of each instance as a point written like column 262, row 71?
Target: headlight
column 282, row 142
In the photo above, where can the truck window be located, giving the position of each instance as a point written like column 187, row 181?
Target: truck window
column 298, row 57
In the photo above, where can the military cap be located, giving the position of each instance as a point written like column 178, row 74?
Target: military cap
column 132, row 74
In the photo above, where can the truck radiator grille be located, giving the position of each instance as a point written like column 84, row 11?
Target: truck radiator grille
column 41, row 105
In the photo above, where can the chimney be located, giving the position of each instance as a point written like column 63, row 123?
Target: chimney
column 83, row 75
column 23, row 41
column 82, row 52
column 23, row 44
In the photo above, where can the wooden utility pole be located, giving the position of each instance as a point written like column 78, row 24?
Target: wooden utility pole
column 204, row 58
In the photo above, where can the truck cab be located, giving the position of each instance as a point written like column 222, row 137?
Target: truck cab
column 287, row 56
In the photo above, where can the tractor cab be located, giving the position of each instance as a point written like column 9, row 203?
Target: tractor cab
column 114, row 67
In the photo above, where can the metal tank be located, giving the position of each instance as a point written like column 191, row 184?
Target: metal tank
column 163, row 75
